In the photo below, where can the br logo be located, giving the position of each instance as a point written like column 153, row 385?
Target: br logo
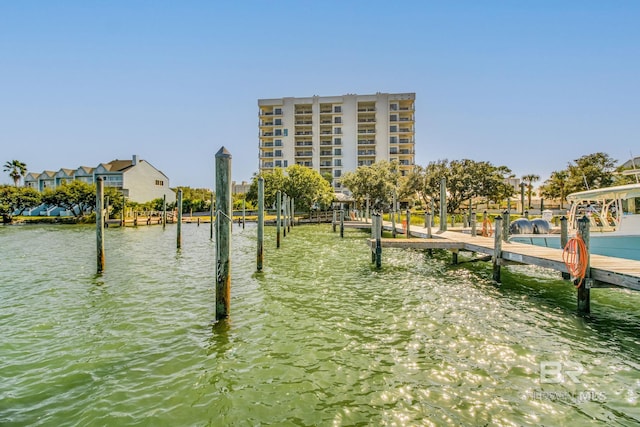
column 558, row 372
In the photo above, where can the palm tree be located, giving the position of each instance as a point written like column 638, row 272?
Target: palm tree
column 529, row 180
column 16, row 170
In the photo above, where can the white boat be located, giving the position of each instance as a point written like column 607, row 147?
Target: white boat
column 614, row 221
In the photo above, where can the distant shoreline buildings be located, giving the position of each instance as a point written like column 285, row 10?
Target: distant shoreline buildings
column 336, row 134
column 136, row 179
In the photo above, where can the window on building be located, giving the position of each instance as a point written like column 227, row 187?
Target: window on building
column 277, row 122
column 286, row 132
column 278, row 153
column 278, row 111
column 337, row 173
column 394, row 107
column 337, row 131
column 337, row 162
column 279, row 163
column 159, row 182
column 286, row 163
column 278, row 143
column 393, row 129
column 394, row 118
column 278, row 132
column 337, row 120
column 337, row 152
column 337, row 109
column 393, row 140
column 337, row 141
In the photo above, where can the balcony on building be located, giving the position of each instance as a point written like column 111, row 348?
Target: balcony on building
column 366, row 142
column 304, row 153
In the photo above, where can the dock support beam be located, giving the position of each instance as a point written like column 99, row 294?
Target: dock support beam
column 378, row 225
column 584, row 288
column 505, row 226
column 408, row 223
column 278, row 213
column 224, row 209
column 100, row 224
column 473, row 224
column 393, row 215
column 260, row 254
column 179, row 228
column 333, row 221
column 564, row 238
column 443, row 204
column 341, row 222
column 497, row 251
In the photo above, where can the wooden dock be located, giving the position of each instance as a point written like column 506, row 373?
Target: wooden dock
column 605, row 271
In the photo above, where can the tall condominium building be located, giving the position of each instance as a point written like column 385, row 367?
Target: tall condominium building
column 336, row 134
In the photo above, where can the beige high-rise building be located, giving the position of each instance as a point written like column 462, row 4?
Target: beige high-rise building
column 336, row 134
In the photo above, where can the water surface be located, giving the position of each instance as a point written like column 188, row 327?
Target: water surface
column 319, row 338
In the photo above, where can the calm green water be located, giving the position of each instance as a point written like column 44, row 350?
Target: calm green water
column 320, row 338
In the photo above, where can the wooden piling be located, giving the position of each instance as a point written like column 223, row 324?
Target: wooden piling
column 443, row 204
column 408, row 224
column 584, row 285
column 211, row 218
column 564, row 239
column 473, row 224
column 333, row 221
column 505, row 226
column 341, row 222
column 284, row 215
column 393, row 215
column 278, row 212
column 100, row 224
column 260, row 255
column 366, row 219
column 179, row 228
column 244, row 213
column 224, row 209
column 124, row 205
column 293, row 212
column 373, row 236
column 497, row 252
column 164, row 211
column 378, row 240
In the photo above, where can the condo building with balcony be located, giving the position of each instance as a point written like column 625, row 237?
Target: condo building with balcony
column 336, row 134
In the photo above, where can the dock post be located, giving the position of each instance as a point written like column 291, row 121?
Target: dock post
column 293, row 212
column 211, row 220
column 497, row 249
column 522, row 210
column 373, row 236
column 584, row 288
column 100, row 224
column 135, row 218
column 287, row 214
column 526, row 214
column 378, row 240
column 443, row 204
column 473, row 224
column 244, row 212
column 333, row 221
column 366, row 219
column 278, row 212
column 284, row 215
column 429, row 223
column 393, row 214
column 179, row 228
column 341, row 222
column 564, row 238
column 505, row 226
column 453, row 220
column 454, row 256
column 164, row 211
column 260, row 255
column 224, row 209
column 408, row 224
column 432, row 212
column 426, row 219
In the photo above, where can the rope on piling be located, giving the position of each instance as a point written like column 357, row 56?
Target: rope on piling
column 575, row 257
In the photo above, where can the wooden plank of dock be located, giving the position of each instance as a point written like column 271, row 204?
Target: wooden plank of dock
column 605, row 271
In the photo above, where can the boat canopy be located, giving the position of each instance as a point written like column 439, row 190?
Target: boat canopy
column 621, row 192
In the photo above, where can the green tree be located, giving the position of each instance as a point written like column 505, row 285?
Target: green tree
column 590, row 171
column 308, row 188
column 78, row 197
column 528, row 182
column 195, row 199
column 465, row 179
column 18, row 199
column 556, row 187
column 16, row 169
column 273, row 181
column 377, row 182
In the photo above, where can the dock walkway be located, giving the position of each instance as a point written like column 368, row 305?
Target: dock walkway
column 605, row 271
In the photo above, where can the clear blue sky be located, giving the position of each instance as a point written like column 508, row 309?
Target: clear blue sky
column 531, row 85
